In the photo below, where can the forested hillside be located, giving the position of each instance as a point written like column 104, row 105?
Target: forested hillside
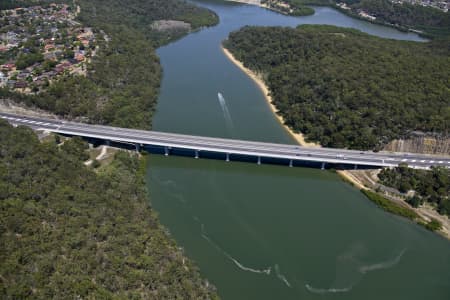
column 344, row 88
column 430, row 20
column 67, row 232
column 123, row 81
column 429, row 186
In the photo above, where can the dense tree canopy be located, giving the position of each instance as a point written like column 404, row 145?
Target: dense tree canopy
column 67, row 232
column 431, row 20
column 344, row 88
column 430, row 186
column 123, row 81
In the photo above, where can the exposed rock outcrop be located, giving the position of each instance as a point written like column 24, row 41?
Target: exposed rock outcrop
column 167, row 25
column 421, row 143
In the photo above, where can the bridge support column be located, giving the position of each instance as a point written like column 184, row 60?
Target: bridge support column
column 323, row 166
column 356, row 167
column 196, row 154
column 138, row 147
column 228, row 157
column 259, row 160
column 166, row 151
column 107, row 143
column 291, row 163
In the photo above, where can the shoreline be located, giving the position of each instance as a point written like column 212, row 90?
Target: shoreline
column 298, row 137
column 346, row 175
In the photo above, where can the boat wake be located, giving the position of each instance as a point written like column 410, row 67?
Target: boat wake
column 383, row 265
column 235, row 261
column 351, row 270
column 281, row 276
column 226, row 113
column 327, row 291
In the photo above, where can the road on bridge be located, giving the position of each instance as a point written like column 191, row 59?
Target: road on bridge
column 229, row 146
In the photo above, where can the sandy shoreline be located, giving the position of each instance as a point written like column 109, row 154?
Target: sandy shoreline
column 347, row 175
column 262, row 86
column 297, row 136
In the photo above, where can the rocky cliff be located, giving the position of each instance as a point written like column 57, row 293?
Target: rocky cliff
column 421, row 143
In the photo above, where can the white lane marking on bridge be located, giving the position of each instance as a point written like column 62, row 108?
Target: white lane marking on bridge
column 440, row 162
column 39, row 123
column 33, row 122
column 422, row 161
column 404, row 159
column 431, row 161
column 413, row 161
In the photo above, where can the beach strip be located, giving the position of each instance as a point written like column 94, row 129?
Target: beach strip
column 262, row 86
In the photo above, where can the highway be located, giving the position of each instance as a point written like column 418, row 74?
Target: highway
column 199, row 144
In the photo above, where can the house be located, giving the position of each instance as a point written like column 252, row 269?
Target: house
column 39, row 82
column 79, row 57
column 49, row 47
column 22, row 76
column 8, row 67
column 66, row 64
column 59, row 69
column 20, row 84
column 11, row 83
column 3, row 79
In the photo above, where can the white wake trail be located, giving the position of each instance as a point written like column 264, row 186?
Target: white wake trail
column 281, row 276
column 383, row 265
column 235, row 261
column 326, row 291
column 226, row 112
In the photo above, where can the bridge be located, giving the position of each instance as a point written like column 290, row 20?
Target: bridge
column 228, row 149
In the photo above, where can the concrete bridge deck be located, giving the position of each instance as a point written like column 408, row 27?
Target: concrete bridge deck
column 227, row 147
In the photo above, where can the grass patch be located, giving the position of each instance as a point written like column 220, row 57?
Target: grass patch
column 433, row 225
column 390, row 206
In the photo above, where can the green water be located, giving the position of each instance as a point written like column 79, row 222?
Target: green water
column 273, row 232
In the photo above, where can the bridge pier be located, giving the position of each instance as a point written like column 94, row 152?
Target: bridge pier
column 291, row 163
column 323, row 166
column 166, row 151
column 196, row 154
column 259, row 160
column 138, row 147
column 107, row 143
column 228, row 157
column 356, row 167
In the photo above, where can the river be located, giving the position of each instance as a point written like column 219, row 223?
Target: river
column 274, row 232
